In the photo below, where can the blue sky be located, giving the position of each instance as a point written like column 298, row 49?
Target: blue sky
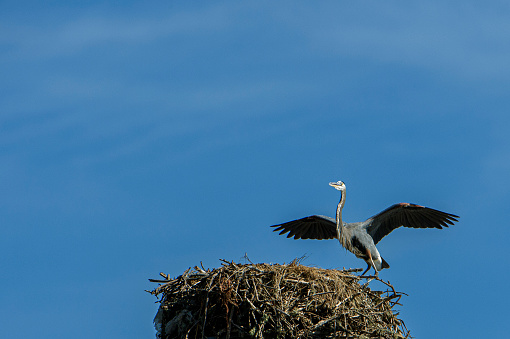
column 145, row 138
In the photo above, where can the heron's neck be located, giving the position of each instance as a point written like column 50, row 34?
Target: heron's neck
column 341, row 230
column 339, row 222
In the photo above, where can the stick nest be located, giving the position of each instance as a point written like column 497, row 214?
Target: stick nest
column 275, row 301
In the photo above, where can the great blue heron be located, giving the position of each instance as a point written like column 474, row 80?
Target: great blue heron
column 360, row 237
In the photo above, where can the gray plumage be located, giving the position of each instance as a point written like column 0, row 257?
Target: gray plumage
column 361, row 237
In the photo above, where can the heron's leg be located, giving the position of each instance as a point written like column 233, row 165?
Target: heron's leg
column 373, row 265
column 370, row 263
column 366, row 270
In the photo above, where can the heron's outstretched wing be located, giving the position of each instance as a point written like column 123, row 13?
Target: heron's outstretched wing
column 313, row 227
column 407, row 215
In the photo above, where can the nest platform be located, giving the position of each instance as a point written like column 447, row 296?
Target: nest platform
column 275, row 301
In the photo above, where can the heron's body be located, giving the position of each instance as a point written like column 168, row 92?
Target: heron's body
column 360, row 238
column 355, row 239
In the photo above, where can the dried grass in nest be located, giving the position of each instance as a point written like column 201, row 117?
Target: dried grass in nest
column 275, row 301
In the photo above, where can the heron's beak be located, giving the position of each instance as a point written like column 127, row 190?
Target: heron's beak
column 333, row 184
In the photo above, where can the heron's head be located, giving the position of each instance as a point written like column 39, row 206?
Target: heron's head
column 339, row 185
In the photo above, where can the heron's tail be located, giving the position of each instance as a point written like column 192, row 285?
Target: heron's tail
column 384, row 263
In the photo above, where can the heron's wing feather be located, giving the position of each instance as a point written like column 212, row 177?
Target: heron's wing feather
column 407, row 215
column 313, row 227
